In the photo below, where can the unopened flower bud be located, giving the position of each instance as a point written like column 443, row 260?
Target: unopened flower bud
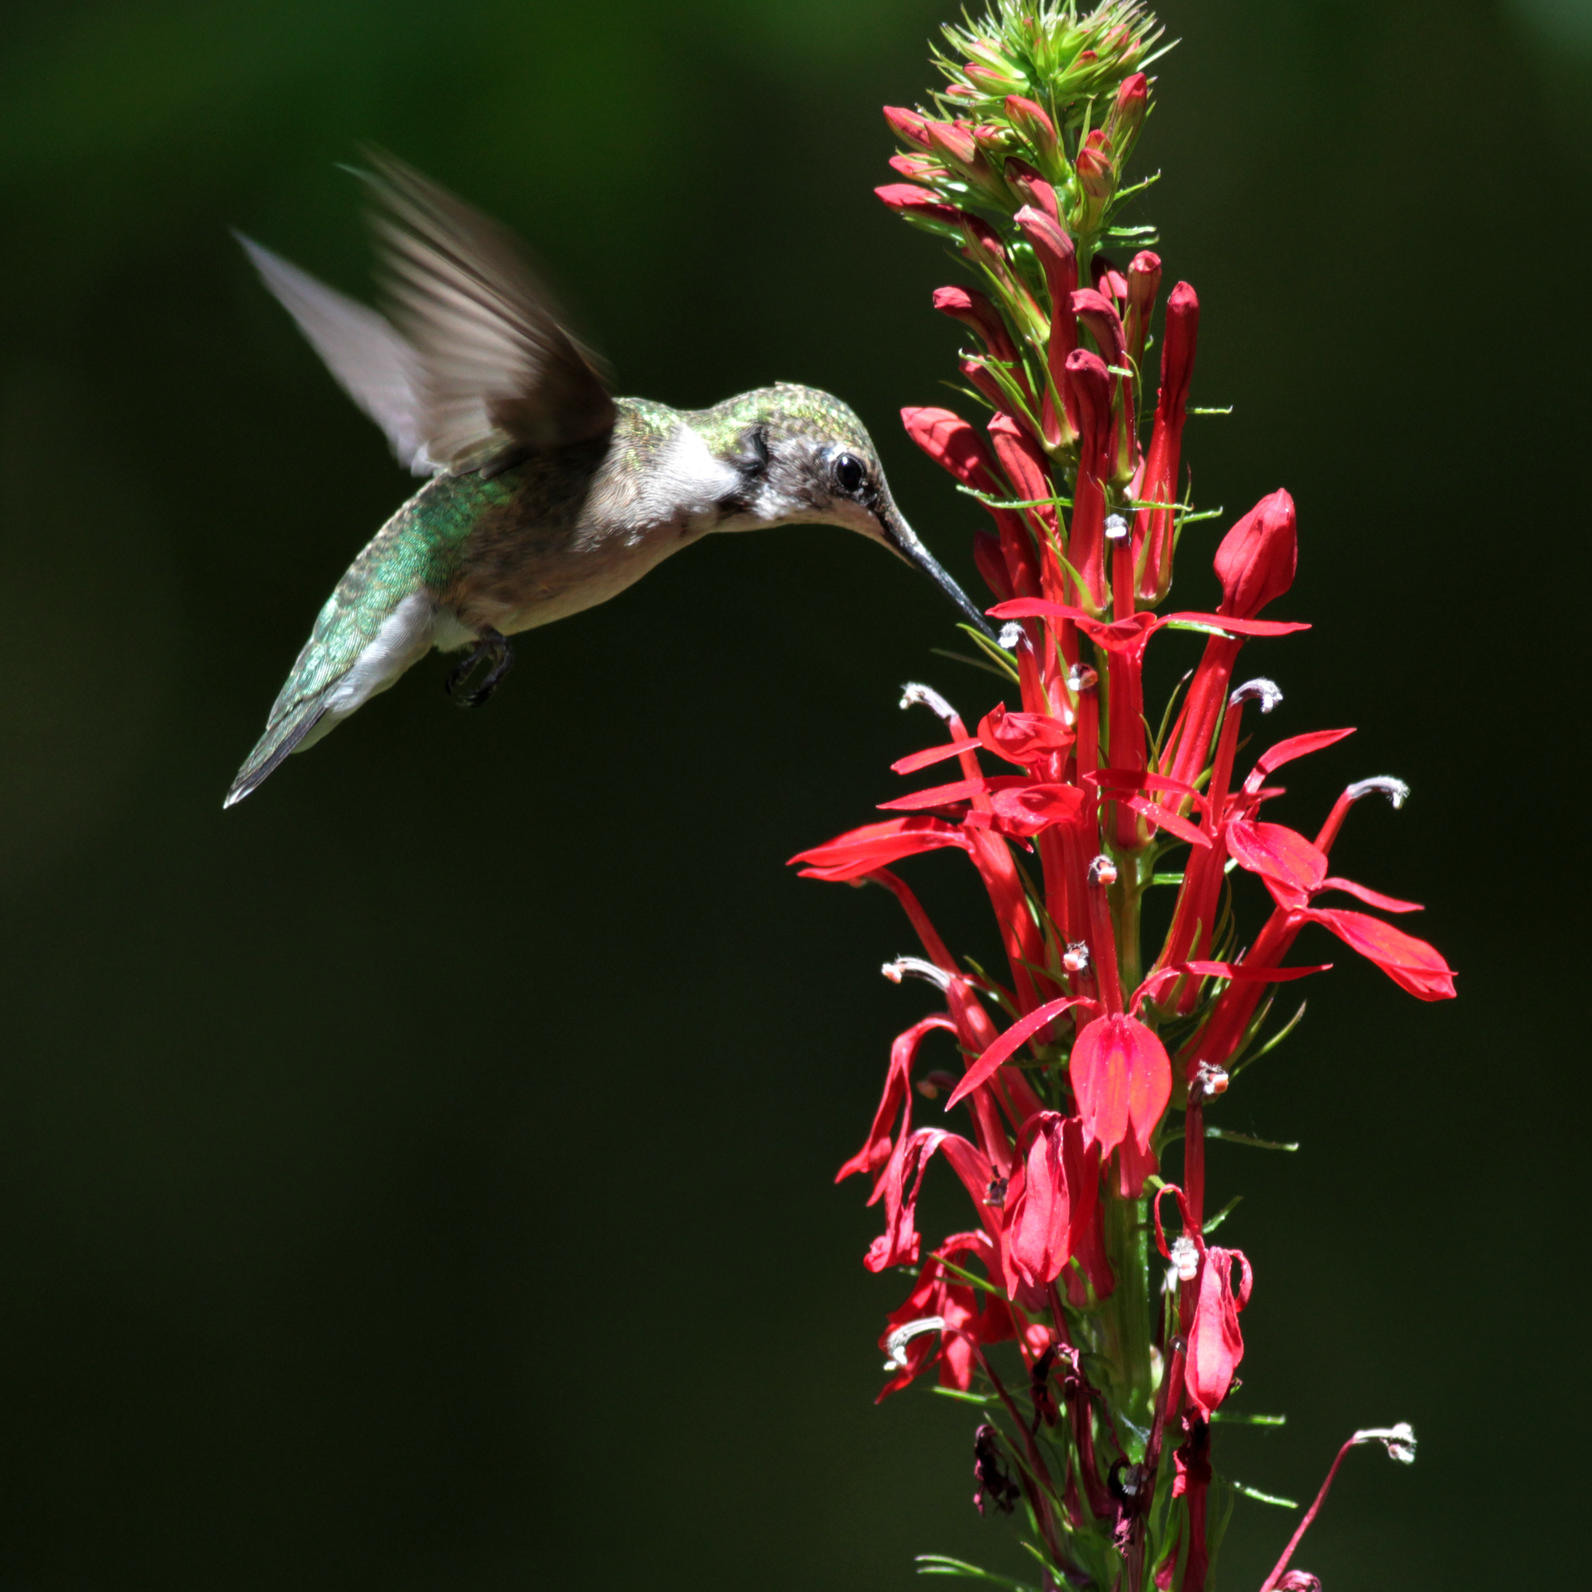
column 908, row 126
column 1257, row 558
column 918, row 205
column 1126, row 117
column 1030, row 120
column 1144, row 282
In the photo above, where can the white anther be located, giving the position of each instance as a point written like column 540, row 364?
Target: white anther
column 1080, row 677
column 916, row 967
column 1116, row 527
column 1210, row 1080
column 1011, row 635
column 1075, row 959
column 1399, row 1440
column 912, row 694
column 895, row 1346
column 1396, row 791
column 1265, row 691
column 1102, row 871
column 1185, row 1254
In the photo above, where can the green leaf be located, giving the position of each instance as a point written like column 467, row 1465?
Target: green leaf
column 1264, row 1497
column 961, row 1396
column 1233, row 1137
column 943, row 1564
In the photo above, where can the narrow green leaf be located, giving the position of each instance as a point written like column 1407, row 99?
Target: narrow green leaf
column 1263, row 1497
column 1233, row 1137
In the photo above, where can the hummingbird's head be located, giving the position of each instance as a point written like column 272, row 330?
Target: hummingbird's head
column 804, row 458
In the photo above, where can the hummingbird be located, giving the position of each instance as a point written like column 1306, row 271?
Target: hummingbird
column 546, row 494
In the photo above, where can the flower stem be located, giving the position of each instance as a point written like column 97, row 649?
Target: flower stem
column 1127, row 1310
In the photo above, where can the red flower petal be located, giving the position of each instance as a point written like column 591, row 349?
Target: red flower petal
column 1372, row 898
column 1215, row 1345
column 1412, row 964
column 1295, row 746
column 1243, row 973
column 914, row 761
column 1277, row 853
column 984, row 1067
column 860, row 851
column 1122, row 1080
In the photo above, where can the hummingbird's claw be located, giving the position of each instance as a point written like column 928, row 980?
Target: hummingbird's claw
column 489, row 647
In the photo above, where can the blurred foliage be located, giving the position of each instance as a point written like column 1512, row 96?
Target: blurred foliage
column 419, row 1176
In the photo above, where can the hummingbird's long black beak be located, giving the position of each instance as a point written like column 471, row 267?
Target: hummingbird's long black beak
column 900, row 536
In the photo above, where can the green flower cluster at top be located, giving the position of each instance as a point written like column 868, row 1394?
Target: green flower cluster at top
column 1036, row 91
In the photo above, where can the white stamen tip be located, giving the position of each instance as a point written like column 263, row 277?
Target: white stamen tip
column 1266, row 692
column 1399, row 1440
column 916, row 967
column 1075, row 959
column 1210, row 1080
column 1102, row 871
column 1080, row 677
column 912, row 694
column 1185, row 1258
column 1116, row 527
column 1011, row 635
column 895, row 1346
column 1396, row 791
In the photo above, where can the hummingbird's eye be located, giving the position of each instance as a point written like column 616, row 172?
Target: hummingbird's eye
column 849, row 473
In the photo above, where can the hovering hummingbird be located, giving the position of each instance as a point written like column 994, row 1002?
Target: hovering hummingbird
column 547, row 495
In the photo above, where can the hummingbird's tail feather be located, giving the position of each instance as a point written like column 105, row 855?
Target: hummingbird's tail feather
column 284, row 736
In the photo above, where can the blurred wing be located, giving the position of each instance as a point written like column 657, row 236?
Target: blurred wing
column 369, row 359
column 493, row 368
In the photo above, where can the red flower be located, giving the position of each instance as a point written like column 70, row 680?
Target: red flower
column 1215, row 1345
column 1122, row 1079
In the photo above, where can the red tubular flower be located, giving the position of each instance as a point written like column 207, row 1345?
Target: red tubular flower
column 1158, row 479
column 1122, row 1079
column 956, row 447
column 951, row 1318
column 1105, row 326
column 913, row 203
column 1033, row 124
column 975, row 311
column 1058, row 259
column 908, row 126
column 1215, row 1345
column 1255, row 563
column 1144, row 282
column 1127, row 115
column 1257, row 558
column 1087, row 389
column 1054, row 1210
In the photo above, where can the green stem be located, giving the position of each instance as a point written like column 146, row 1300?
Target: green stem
column 1127, row 1313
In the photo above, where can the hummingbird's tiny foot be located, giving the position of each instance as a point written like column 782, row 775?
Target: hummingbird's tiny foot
column 490, row 647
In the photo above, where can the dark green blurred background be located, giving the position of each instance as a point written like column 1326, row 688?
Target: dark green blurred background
column 419, row 1176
